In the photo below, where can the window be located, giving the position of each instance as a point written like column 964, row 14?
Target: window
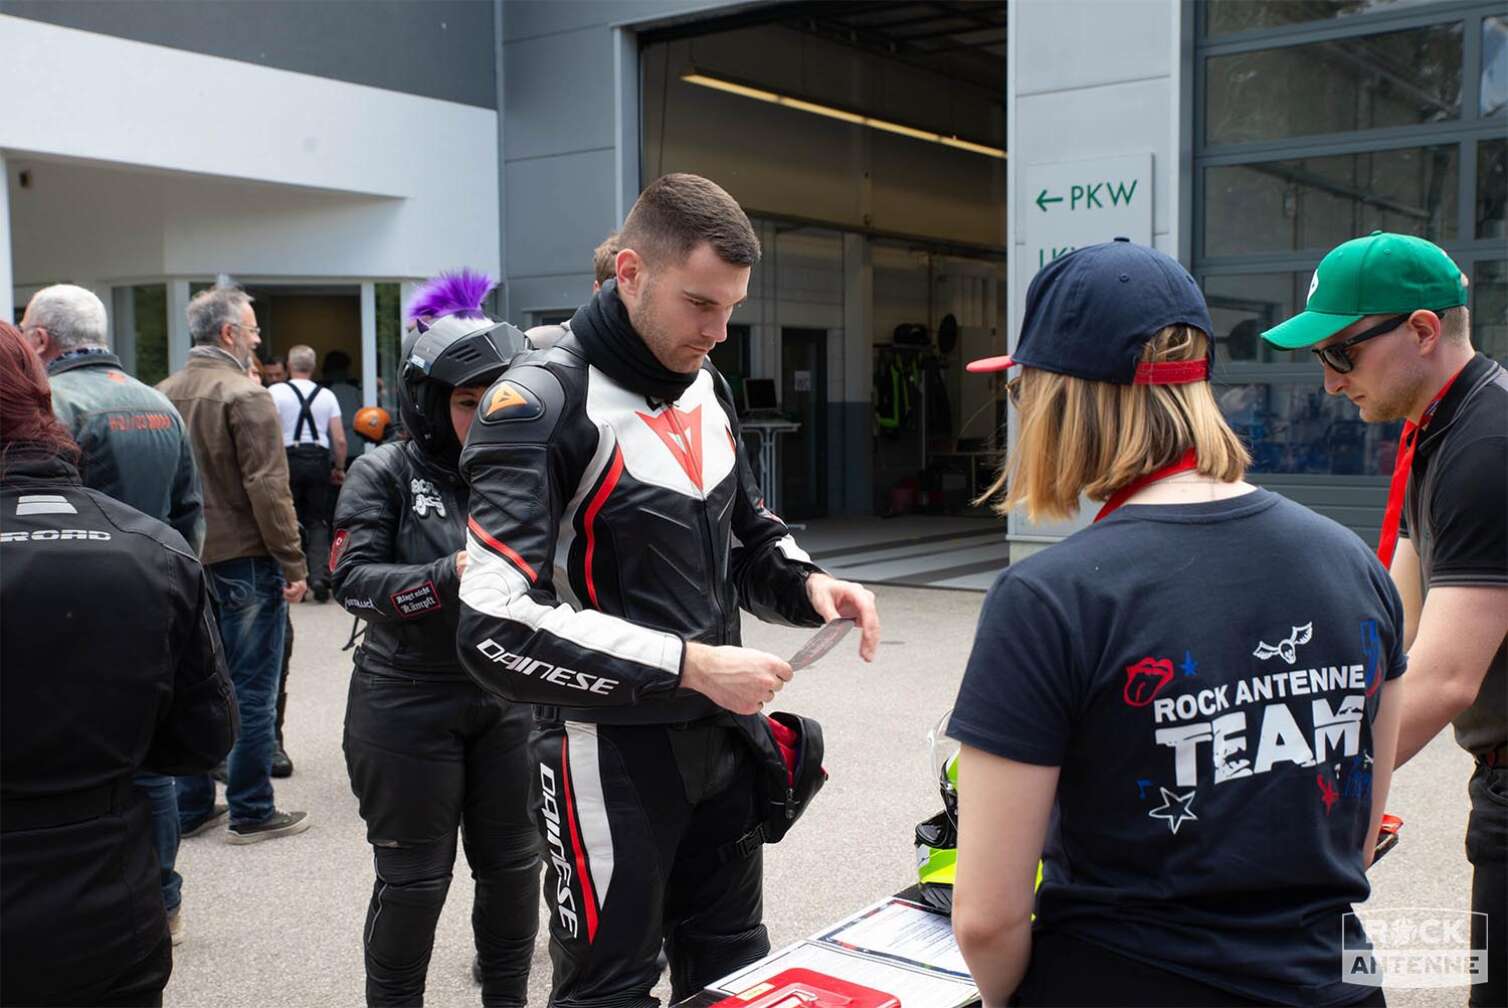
column 1242, row 305
column 1229, row 16
column 1493, row 86
column 1294, row 427
column 1319, row 202
column 1394, row 79
column 1492, row 187
column 1489, row 309
column 150, row 312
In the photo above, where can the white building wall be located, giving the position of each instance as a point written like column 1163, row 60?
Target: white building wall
column 154, row 161
column 7, row 303
column 1090, row 79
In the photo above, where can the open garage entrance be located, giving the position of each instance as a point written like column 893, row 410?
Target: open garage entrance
column 866, row 140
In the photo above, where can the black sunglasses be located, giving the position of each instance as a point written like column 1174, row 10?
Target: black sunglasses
column 1335, row 357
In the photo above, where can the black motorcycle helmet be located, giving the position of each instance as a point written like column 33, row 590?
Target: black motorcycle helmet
column 441, row 355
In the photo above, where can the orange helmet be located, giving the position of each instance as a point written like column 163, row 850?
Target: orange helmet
column 371, row 422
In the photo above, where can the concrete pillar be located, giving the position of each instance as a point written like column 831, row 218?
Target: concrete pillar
column 123, row 326
column 7, row 279
column 764, row 336
column 625, row 122
column 406, row 291
column 858, row 366
column 178, row 334
column 369, row 344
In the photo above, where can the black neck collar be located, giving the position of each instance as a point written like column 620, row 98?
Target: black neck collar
column 616, row 349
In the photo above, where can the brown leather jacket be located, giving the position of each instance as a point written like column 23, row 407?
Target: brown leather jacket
column 238, row 444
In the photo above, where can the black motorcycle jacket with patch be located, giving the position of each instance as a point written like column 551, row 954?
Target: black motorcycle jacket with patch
column 112, row 666
column 607, row 530
column 399, row 523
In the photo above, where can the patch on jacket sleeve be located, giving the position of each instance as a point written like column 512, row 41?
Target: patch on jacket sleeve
column 338, row 546
column 416, row 601
column 508, row 400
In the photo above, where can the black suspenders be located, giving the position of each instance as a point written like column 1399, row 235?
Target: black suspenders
column 304, row 415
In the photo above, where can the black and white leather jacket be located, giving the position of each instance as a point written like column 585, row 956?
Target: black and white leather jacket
column 606, row 531
column 399, row 523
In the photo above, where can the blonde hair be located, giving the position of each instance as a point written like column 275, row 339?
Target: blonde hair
column 1089, row 437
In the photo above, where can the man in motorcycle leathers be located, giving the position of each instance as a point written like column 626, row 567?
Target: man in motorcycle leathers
column 615, row 531
column 427, row 750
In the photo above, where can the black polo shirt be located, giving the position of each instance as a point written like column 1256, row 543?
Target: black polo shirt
column 1456, row 515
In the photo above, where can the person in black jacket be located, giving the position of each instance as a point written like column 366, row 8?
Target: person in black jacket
column 427, row 750
column 615, row 532
column 133, row 446
column 82, row 919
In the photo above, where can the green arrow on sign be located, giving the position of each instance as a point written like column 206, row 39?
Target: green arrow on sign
column 1043, row 199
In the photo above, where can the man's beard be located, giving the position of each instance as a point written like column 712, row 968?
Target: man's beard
column 1395, row 403
column 243, row 355
column 646, row 322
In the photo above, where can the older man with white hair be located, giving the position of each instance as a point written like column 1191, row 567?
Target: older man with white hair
column 135, row 447
column 136, row 450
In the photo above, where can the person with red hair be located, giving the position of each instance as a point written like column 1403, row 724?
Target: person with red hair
column 82, row 919
column 26, row 418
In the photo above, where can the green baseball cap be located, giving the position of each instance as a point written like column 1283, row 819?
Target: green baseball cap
column 1381, row 274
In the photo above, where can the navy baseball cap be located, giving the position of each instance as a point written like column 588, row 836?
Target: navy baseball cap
column 1090, row 314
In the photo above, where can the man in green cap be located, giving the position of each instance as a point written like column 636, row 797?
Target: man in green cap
column 1387, row 319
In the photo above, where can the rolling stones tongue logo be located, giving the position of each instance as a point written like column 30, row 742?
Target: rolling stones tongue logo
column 1145, row 680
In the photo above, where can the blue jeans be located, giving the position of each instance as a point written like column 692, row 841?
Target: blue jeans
column 162, row 797
column 252, row 614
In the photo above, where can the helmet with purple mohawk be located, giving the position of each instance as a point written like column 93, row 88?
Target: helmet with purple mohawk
column 459, row 294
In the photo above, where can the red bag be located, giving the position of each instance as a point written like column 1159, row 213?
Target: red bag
column 803, row 988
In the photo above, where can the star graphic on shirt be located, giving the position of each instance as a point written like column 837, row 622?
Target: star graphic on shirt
column 1175, row 808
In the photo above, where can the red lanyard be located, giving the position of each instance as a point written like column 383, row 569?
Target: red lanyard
column 1387, row 542
column 1184, row 464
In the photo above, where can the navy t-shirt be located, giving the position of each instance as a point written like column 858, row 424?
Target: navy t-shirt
column 1206, row 676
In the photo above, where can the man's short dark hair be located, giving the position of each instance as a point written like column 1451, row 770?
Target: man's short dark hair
column 676, row 213
column 605, row 259
column 337, row 360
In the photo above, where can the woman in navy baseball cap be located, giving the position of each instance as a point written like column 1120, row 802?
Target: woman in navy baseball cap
column 1193, row 682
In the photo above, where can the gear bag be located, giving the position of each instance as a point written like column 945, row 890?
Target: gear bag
column 786, row 784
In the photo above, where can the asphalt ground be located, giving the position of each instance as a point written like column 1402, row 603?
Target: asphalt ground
column 280, row 922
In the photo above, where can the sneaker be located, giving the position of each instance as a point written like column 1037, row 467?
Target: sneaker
column 209, row 822
column 321, row 595
column 279, row 824
column 282, row 766
column 175, row 925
